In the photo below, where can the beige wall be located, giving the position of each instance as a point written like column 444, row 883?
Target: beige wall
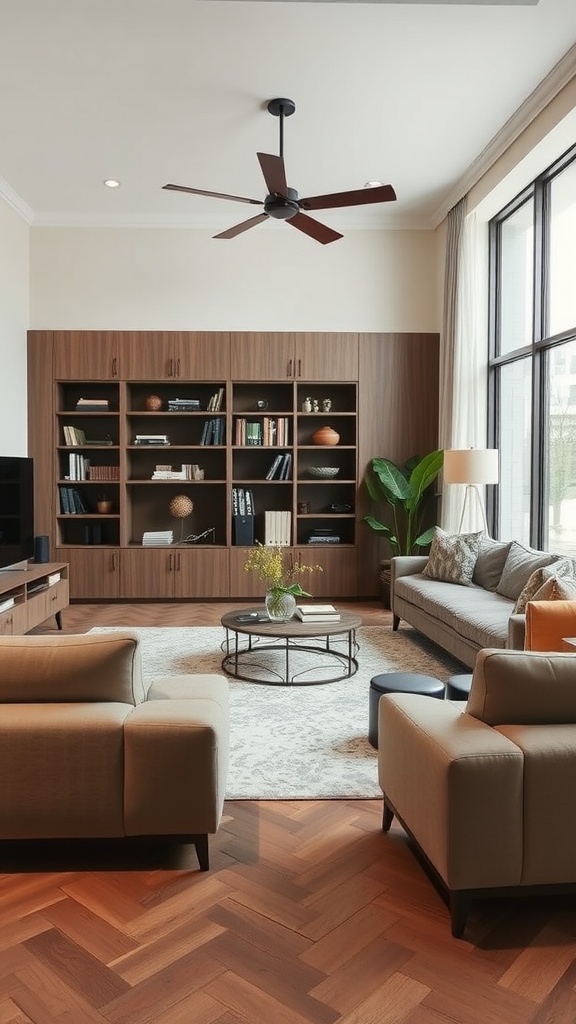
column 14, row 316
column 272, row 278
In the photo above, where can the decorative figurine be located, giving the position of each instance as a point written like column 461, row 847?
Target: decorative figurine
column 326, row 404
column 315, row 406
column 307, row 405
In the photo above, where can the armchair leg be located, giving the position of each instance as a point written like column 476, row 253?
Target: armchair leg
column 201, row 844
column 395, row 622
column 387, row 817
column 459, row 902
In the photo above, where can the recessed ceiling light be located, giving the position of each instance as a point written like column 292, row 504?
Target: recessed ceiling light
column 372, row 184
column 112, row 183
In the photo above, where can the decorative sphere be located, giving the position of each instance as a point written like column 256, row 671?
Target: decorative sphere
column 181, row 506
column 153, row 403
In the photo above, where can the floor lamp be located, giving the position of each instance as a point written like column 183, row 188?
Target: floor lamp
column 472, row 467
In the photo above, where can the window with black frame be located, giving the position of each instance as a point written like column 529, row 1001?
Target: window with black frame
column 532, row 360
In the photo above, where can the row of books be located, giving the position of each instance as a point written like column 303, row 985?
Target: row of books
column 280, row 468
column 213, row 432
column 215, row 403
column 267, row 431
column 78, row 466
column 242, row 502
column 277, row 528
column 317, row 613
column 71, row 502
column 103, row 472
column 75, row 437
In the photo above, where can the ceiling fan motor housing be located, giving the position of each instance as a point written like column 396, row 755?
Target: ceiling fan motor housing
column 282, row 207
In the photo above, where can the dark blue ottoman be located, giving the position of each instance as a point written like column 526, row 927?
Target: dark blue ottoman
column 398, row 682
column 458, row 687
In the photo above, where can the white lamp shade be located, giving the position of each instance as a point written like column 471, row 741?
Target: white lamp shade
column 471, row 466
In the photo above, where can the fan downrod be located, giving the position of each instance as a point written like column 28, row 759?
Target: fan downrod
column 281, row 106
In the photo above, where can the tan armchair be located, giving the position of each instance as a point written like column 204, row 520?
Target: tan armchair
column 86, row 750
column 486, row 790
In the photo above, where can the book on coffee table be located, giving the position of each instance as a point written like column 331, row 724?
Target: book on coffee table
column 317, row 613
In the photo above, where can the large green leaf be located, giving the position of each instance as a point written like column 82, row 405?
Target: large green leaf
column 392, row 481
column 422, row 476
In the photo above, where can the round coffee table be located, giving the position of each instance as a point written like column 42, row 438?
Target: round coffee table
column 246, row 641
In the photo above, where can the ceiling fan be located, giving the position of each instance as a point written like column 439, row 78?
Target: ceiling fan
column 282, row 203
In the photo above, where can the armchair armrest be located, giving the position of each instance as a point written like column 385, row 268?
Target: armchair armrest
column 456, row 783
column 516, row 632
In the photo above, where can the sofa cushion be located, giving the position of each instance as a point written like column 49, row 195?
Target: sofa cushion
column 541, row 584
column 453, row 556
column 519, row 566
column 490, row 562
column 516, row 688
column 479, row 615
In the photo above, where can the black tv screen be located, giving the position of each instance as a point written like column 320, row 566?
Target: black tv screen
column 16, row 510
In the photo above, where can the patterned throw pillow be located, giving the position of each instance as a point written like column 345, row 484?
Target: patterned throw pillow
column 453, row 556
column 563, row 569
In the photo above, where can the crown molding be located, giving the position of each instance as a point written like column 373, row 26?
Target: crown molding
column 13, row 199
column 533, row 105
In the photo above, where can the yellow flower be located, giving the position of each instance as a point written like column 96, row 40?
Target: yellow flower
column 267, row 561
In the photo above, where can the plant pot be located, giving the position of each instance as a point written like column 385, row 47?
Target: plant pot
column 325, row 436
column 104, row 507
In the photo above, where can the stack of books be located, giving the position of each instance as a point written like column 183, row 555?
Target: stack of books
column 318, row 613
column 92, row 405
column 184, row 405
column 152, row 439
column 157, row 538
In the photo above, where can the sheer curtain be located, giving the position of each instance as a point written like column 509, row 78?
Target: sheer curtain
column 464, row 354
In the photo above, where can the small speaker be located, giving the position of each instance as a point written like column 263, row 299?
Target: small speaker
column 42, row 549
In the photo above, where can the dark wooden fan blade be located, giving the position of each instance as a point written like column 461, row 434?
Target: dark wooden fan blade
column 216, row 195
column 358, row 197
column 314, row 228
column 274, row 173
column 244, row 226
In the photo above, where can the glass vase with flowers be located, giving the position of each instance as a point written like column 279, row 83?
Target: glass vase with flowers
column 282, row 587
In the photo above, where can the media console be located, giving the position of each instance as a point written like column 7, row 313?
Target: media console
column 30, row 594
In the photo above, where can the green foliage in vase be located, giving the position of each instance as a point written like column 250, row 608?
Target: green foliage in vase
column 403, row 489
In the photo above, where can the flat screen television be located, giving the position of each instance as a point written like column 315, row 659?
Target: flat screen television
column 16, row 510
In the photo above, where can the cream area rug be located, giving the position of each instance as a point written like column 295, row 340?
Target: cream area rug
column 296, row 742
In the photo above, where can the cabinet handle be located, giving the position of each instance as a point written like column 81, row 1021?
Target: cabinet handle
column 113, row 561
column 290, row 361
column 177, row 367
column 114, row 367
column 170, row 367
column 178, row 563
column 170, row 558
column 299, row 374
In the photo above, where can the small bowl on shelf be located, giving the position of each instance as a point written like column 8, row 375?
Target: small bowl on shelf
column 324, row 472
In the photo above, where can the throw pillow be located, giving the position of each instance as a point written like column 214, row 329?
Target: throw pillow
column 490, row 563
column 520, row 563
column 453, row 556
column 561, row 569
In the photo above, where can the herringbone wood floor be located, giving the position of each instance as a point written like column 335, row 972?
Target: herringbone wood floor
column 308, row 914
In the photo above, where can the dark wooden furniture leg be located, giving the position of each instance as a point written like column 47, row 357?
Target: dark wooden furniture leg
column 395, row 622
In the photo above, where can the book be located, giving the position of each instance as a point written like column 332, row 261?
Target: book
column 318, row 618
column 318, row 609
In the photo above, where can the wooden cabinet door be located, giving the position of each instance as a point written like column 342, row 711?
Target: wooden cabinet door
column 202, row 355
column 94, row 572
column 201, row 572
column 147, row 573
column 262, row 356
column 338, row 578
column 326, row 357
column 176, row 355
column 244, row 584
column 87, row 355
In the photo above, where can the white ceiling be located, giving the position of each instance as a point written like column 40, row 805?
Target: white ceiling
column 156, row 91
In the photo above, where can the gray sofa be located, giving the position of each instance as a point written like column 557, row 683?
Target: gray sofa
column 465, row 619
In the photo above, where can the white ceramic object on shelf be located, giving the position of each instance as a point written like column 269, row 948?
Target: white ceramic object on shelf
column 324, row 472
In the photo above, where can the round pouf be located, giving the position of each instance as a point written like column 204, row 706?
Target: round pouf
column 398, row 682
column 458, row 687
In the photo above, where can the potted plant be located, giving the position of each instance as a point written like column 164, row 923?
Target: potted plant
column 403, row 489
